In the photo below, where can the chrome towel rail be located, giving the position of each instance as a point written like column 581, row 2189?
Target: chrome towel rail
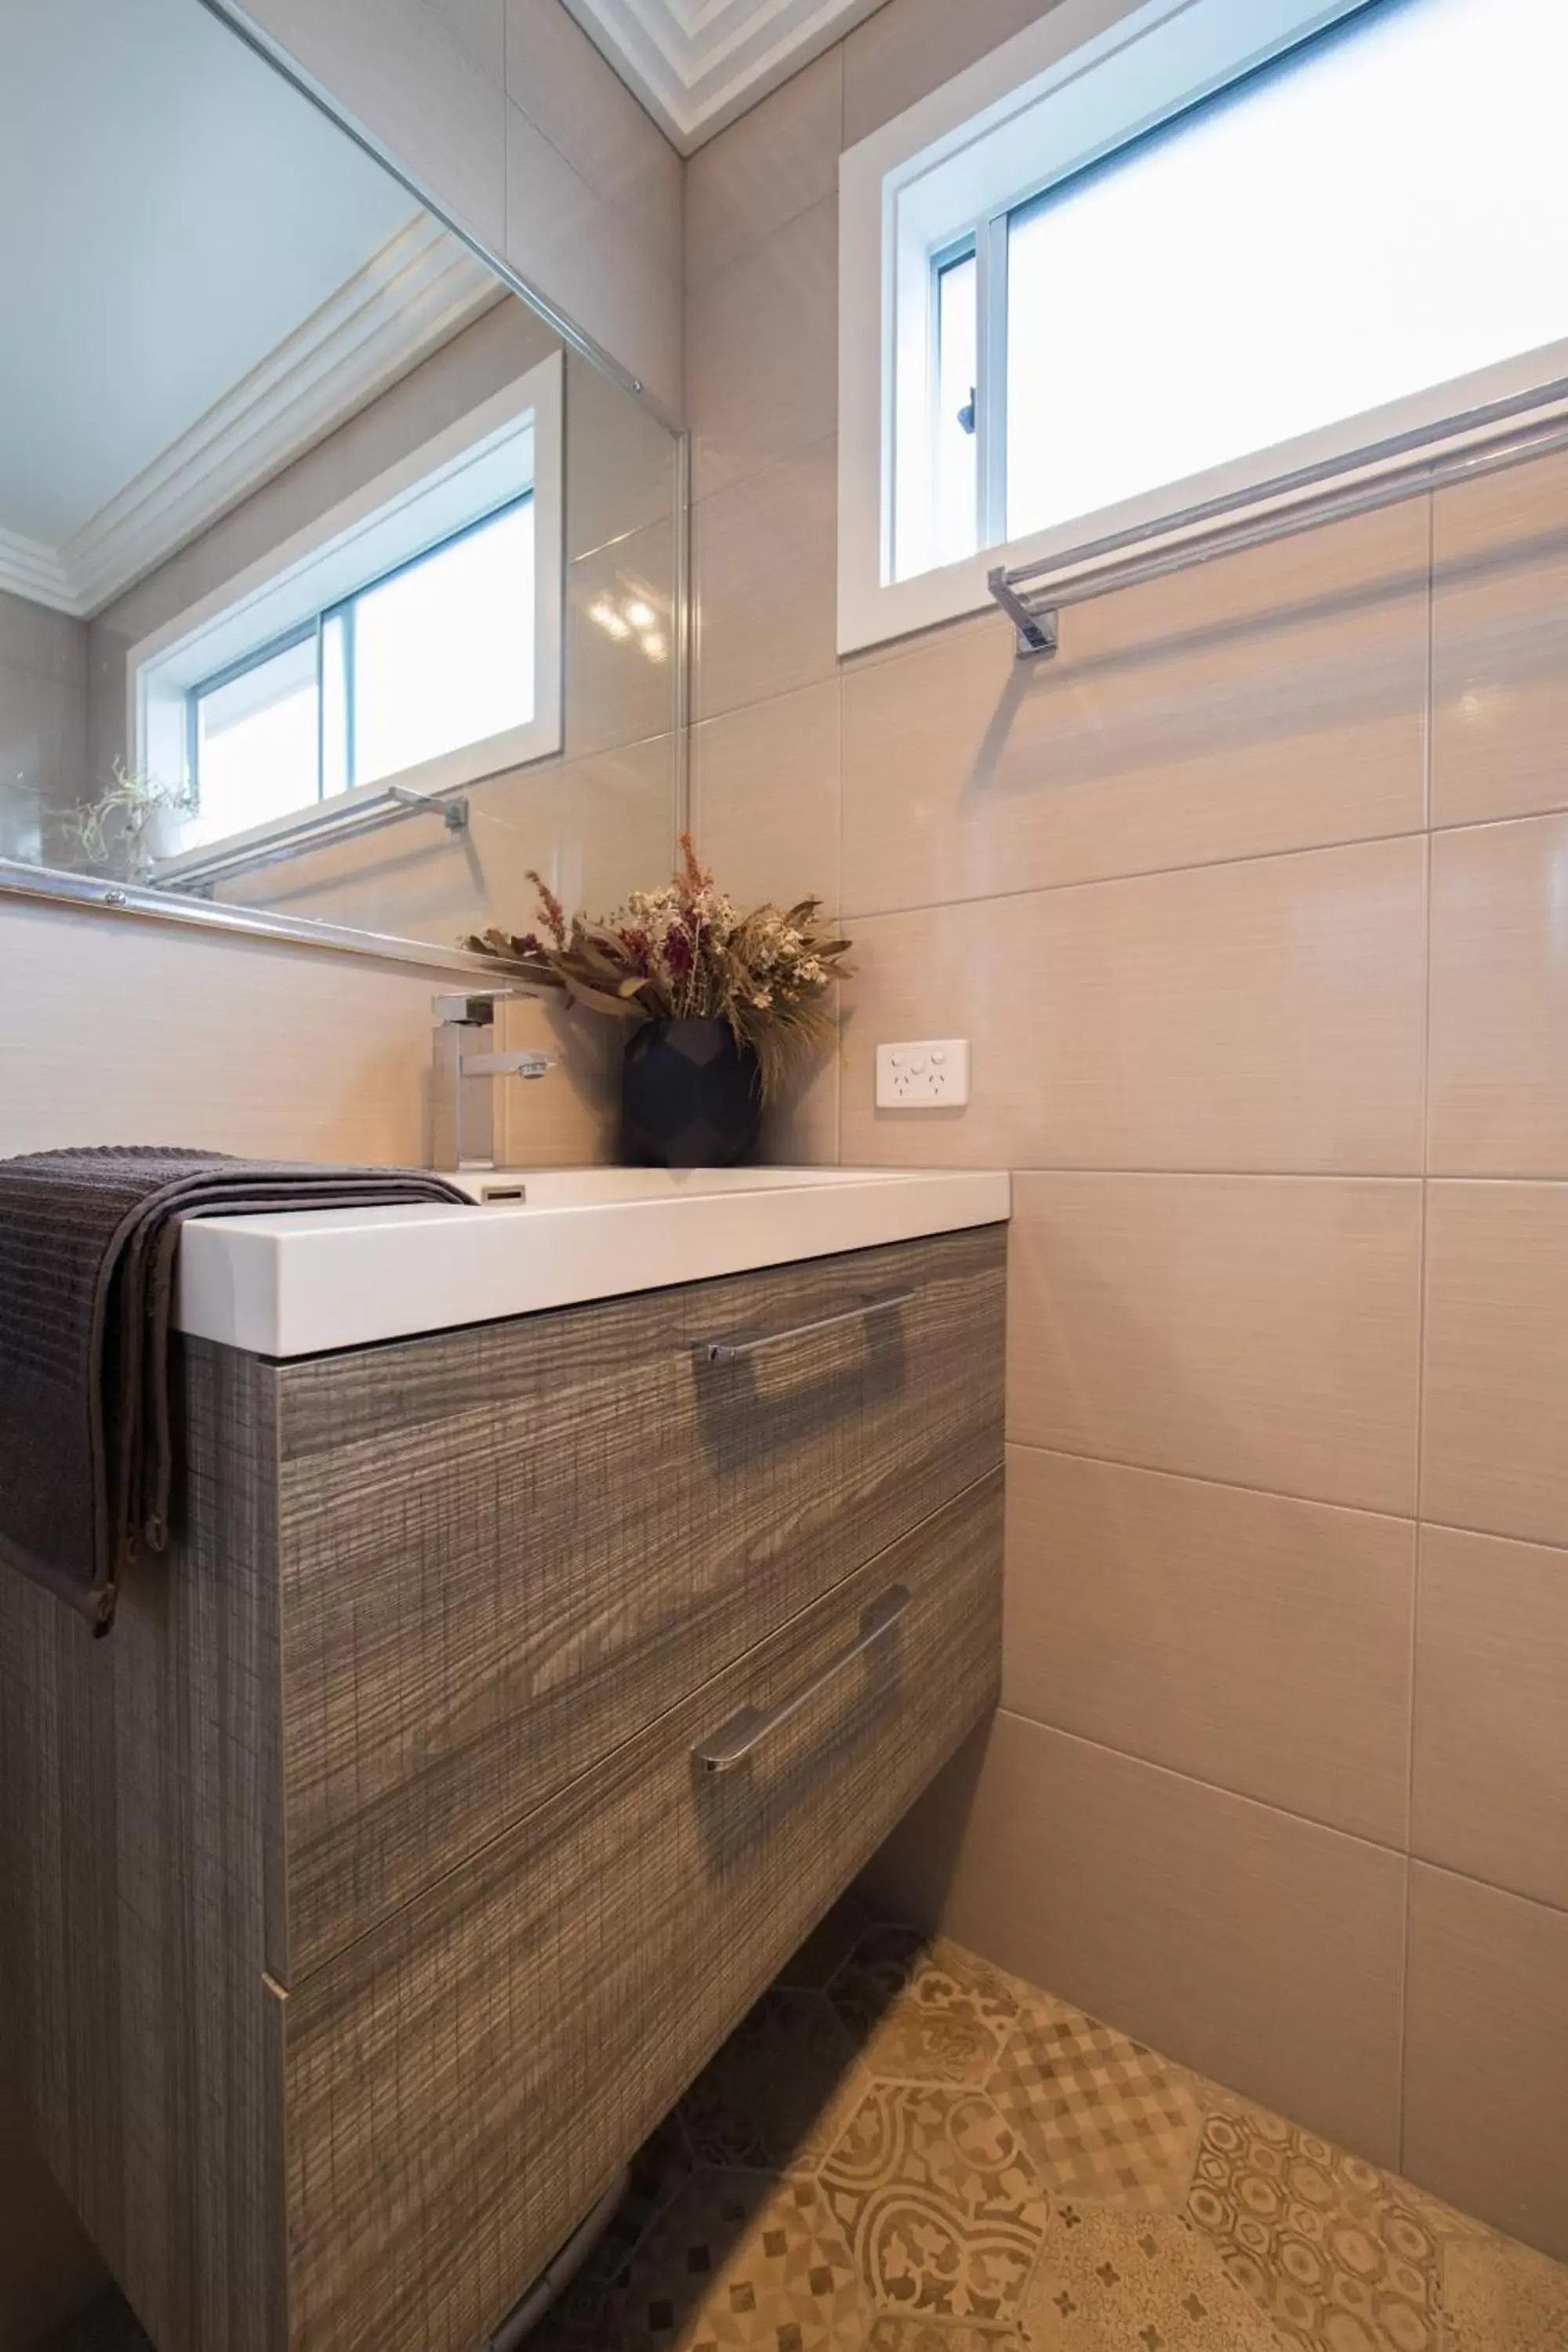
column 321, row 825
column 1462, row 448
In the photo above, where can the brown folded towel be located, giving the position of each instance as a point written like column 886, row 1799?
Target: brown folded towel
column 87, row 1265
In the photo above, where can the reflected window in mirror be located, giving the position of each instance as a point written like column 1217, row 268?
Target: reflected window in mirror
column 409, row 636
column 431, row 657
column 328, row 609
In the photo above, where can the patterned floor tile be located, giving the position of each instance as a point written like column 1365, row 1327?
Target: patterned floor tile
column 588, row 2317
column 940, row 2336
column 922, row 2011
column 829, row 1944
column 740, row 2260
column 1501, row 2297
column 1329, row 2246
column 939, row 2204
column 1001, row 2176
column 1106, row 2120
column 1118, row 2282
column 779, row 2092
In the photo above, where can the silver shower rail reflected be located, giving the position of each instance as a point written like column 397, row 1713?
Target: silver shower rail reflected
column 1459, row 449
column 326, row 825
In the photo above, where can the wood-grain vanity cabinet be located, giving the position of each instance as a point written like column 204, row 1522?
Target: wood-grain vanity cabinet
column 516, row 1699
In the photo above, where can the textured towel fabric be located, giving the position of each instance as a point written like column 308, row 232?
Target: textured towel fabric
column 87, row 1262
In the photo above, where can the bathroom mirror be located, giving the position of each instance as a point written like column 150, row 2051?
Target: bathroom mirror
column 335, row 586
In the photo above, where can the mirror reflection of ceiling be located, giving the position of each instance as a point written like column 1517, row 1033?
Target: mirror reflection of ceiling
column 696, row 64
column 172, row 292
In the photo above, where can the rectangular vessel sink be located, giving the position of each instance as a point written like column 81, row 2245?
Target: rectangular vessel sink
column 319, row 1279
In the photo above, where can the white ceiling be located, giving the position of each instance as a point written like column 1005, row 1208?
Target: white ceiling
column 696, row 64
column 175, row 213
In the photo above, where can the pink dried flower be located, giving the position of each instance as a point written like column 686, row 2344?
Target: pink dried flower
column 550, row 907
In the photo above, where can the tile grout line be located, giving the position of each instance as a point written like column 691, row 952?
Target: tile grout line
column 1210, row 1175
column 1282, row 1495
column 1189, row 866
column 1230, row 1485
column 1285, row 1813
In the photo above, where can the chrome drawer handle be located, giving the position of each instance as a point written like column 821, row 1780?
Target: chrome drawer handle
column 732, row 1351
column 747, row 1730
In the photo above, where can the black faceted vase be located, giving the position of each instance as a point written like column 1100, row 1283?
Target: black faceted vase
column 691, row 1098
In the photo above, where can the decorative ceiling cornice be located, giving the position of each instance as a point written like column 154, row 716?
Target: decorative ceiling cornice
column 696, row 64
column 408, row 299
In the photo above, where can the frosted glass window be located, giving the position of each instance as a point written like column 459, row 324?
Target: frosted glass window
column 1381, row 212
column 434, row 656
column 256, row 739
column 443, row 651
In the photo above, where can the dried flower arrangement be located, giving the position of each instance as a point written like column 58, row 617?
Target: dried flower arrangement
column 686, row 953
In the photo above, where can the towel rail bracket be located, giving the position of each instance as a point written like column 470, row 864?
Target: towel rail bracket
column 1038, row 626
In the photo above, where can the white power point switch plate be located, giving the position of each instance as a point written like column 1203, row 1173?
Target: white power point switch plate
column 933, row 1074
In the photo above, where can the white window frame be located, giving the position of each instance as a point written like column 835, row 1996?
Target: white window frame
column 511, row 443
column 1084, row 80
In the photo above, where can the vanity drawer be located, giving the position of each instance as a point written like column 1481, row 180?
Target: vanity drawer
column 507, row 1549
column 461, row 2085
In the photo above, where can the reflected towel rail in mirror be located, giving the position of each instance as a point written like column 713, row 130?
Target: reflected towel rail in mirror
column 1484, row 441
column 325, row 824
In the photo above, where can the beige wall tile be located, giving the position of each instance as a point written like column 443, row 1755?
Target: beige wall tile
column 503, row 343
column 602, row 827
column 593, row 222
column 1258, row 1643
column 620, row 461
column 1268, row 1015
column 1272, row 701
column 573, row 1118
column 595, row 827
column 24, row 821
column 1500, row 646
column 1496, row 1389
column 157, row 1035
column 764, row 796
column 1499, row 999
column 764, row 558
column 422, row 91
column 1486, row 2084
column 1263, row 1950
column 1256, row 1331
column 480, row 26
column 560, row 81
column 43, row 739
column 801, row 1130
column 910, row 47
column 573, row 246
column 34, row 638
column 773, row 163
column 1489, row 1794
column 760, row 338
column 620, row 688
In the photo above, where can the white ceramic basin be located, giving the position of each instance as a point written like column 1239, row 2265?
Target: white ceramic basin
column 304, row 1284
column 565, row 1188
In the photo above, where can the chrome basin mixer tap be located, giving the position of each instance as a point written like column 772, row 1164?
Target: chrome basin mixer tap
column 466, row 1068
